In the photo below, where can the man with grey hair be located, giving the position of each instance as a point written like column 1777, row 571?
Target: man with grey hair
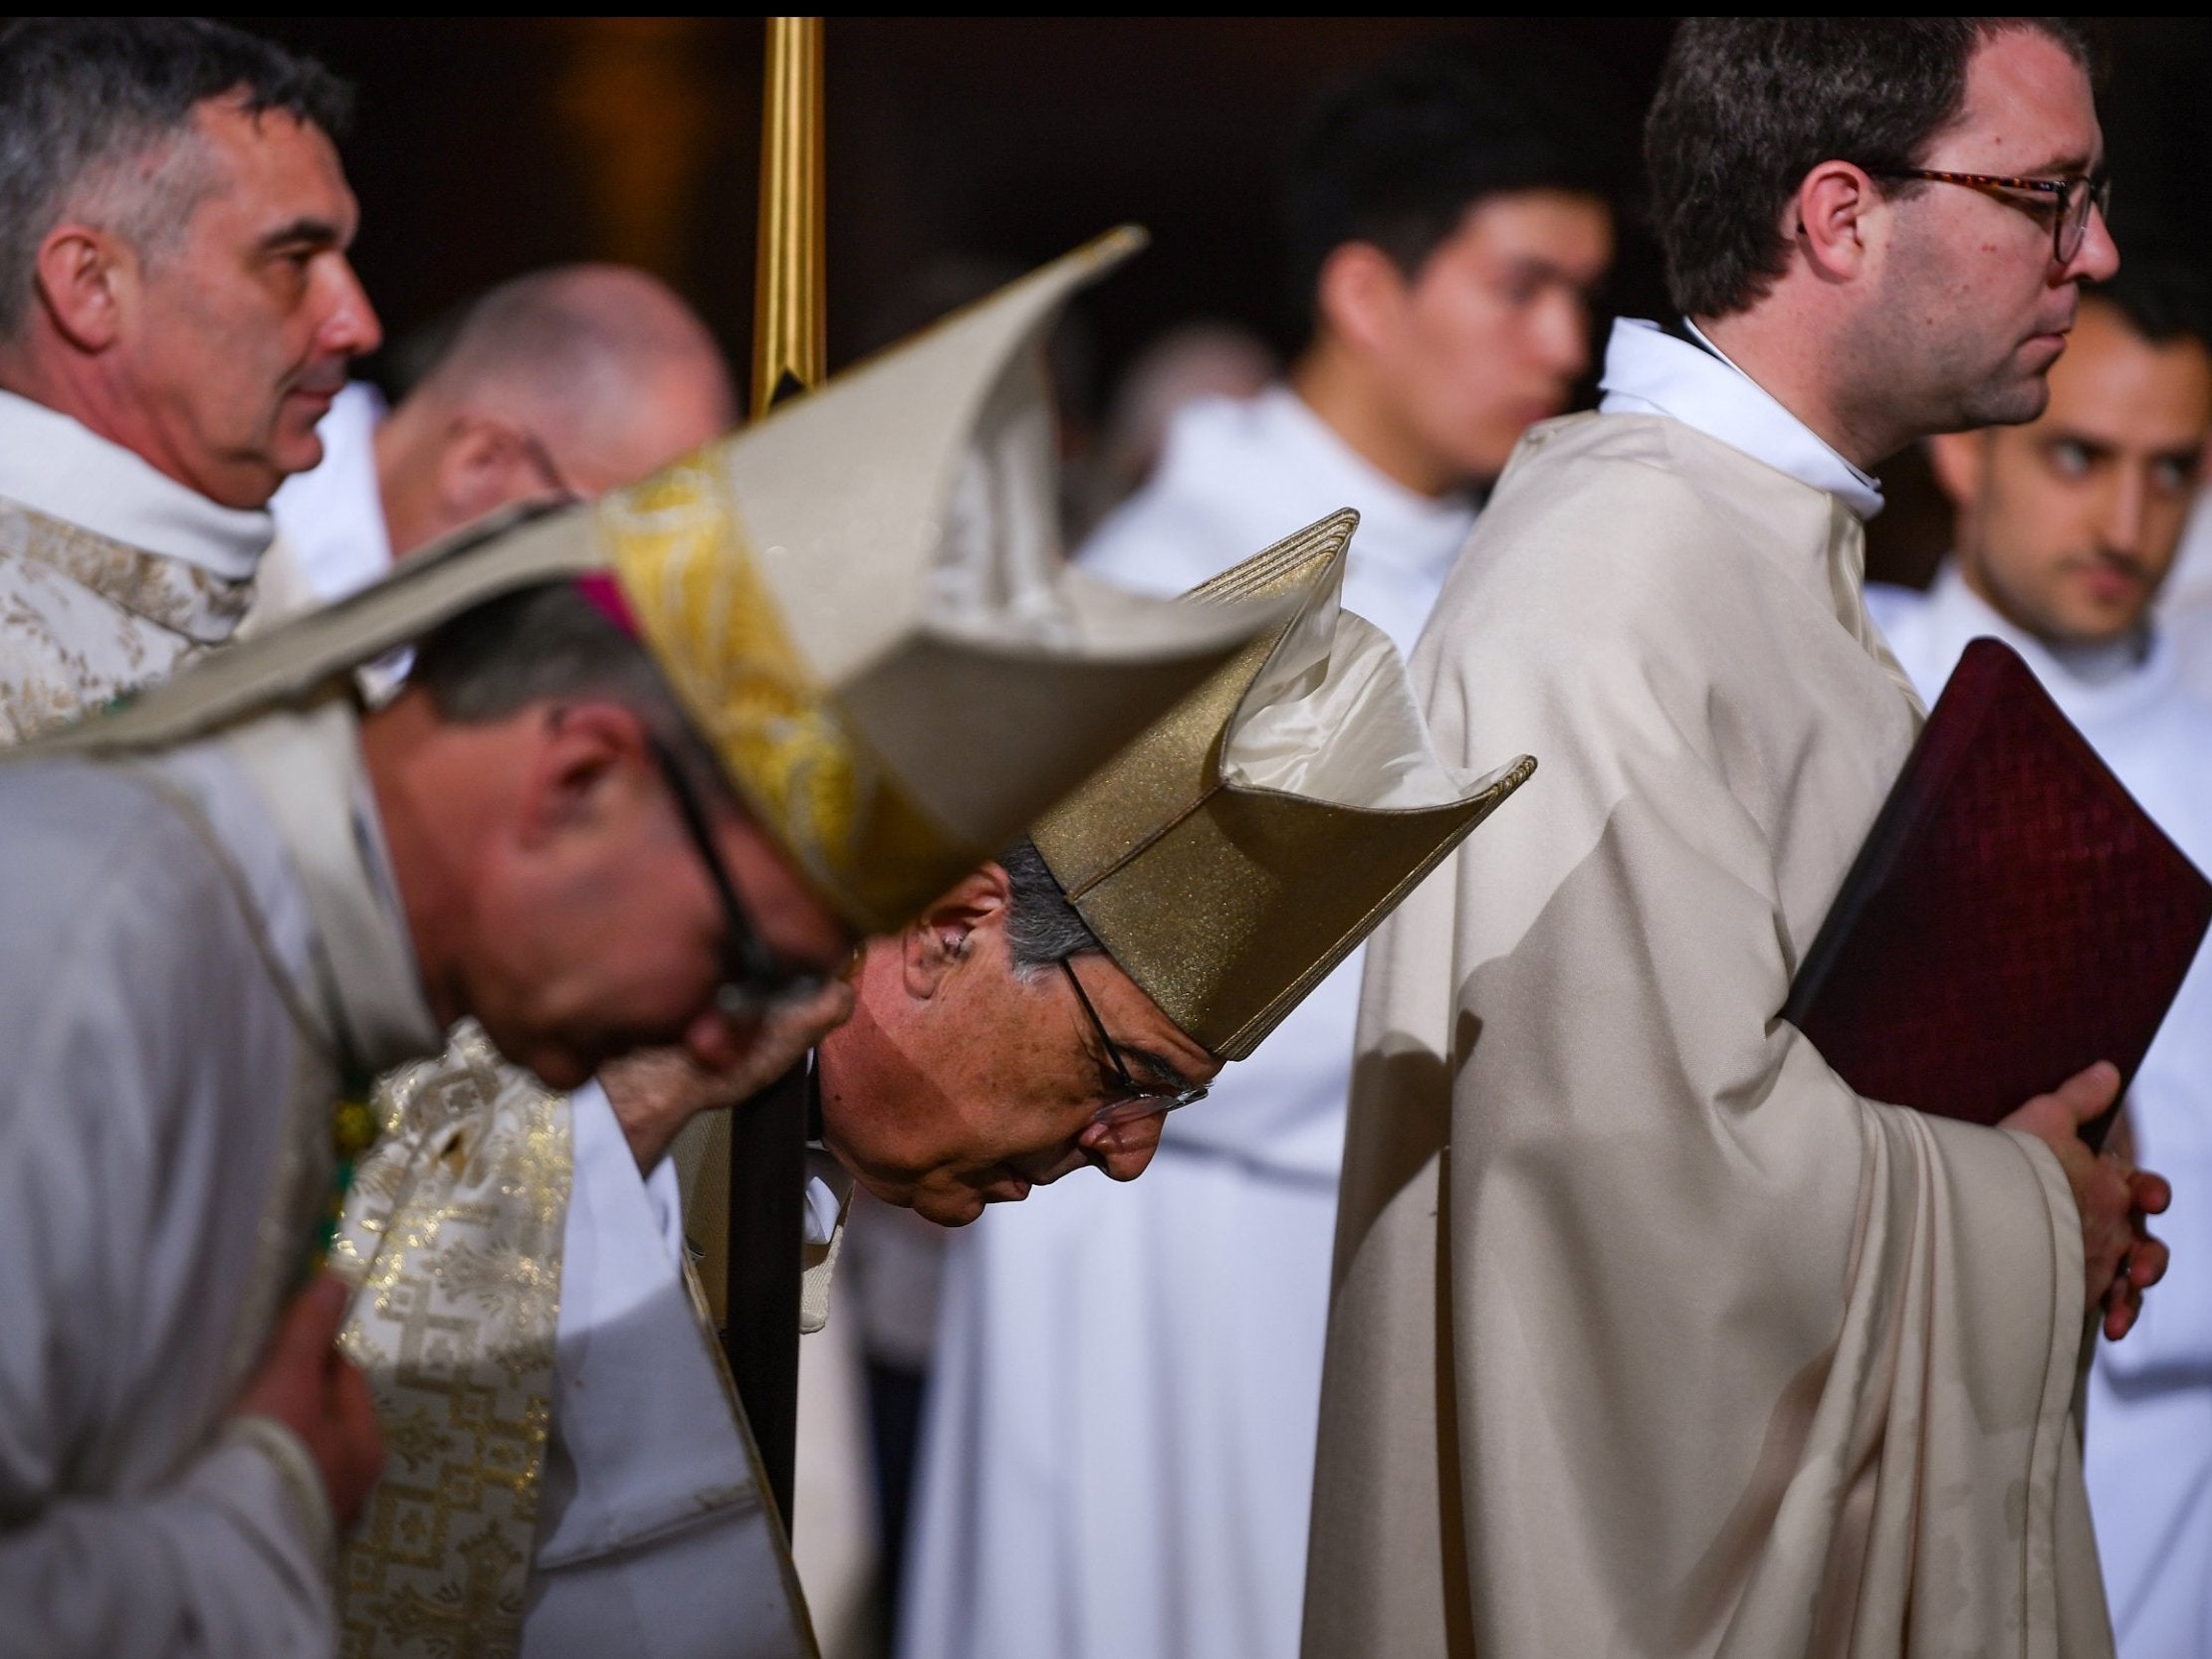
column 176, row 314
column 572, row 379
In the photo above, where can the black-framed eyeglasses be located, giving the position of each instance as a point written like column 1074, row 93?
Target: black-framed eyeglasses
column 753, row 983
column 2069, row 199
column 1136, row 1101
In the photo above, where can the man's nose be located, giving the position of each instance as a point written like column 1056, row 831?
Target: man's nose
column 1562, row 334
column 2099, row 255
column 1128, row 1149
column 2125, row 511
column 351, row 329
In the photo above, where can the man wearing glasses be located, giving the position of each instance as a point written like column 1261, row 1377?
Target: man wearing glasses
column 1649, row 1334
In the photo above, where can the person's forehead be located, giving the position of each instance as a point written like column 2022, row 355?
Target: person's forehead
column 2029, row 111
column 275, row 165
column 1136, row 1021
column 2113, row 385
column 1563, row 229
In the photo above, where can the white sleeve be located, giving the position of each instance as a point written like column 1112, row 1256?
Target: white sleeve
column 212, row 1565
column 135, row 1135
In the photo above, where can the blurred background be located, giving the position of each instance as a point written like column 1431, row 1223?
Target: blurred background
column 961, row 151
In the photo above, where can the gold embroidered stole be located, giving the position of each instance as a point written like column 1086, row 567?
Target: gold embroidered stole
column 453, row 1232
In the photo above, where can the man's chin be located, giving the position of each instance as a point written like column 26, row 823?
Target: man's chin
column 296, row 446
column 949, row 1209
column 559, row 1069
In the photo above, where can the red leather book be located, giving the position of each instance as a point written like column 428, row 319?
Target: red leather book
column 2013, row 916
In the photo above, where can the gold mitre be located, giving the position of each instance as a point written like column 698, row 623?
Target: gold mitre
column 860, row 601
column 1245, row 845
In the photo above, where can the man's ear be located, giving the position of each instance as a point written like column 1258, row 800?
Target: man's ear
column 584, row 751
column 1960, row 462
column 84, row 279
column 483, row 466
column 1830, row 220
column 946, row 937
column 1359, row 293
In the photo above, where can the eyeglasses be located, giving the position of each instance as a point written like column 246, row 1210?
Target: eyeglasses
column 753, row 983
column 1135, row 1100
column 2069, row 198
column 543, row 463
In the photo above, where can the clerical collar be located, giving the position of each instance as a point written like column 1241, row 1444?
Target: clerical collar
column 55, row 465
column 2101, row 669
column 1649, row 371
column 1403, row 526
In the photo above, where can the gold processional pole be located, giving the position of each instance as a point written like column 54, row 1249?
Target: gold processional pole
column 769, row 1132
column 789, row 352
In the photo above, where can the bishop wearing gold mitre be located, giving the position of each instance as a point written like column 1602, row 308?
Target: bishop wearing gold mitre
column 1046, row 1011
column 1197, row 888
column 643, row 778
column 860, row 600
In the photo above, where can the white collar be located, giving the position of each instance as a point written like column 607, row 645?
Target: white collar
column 53, row 465
column 1649, row 371
column 1963, row 614
column 1401, row 526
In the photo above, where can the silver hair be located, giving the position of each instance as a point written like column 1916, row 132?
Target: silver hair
column 1042, row 927
column 96, row 120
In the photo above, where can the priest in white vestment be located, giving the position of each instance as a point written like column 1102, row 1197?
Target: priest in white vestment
column 136, row 459
column 2067, row 537
column 1132, row 1471
column 1648, row 1335
column 167, row 931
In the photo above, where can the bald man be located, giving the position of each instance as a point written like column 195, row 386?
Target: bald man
column 570, row 380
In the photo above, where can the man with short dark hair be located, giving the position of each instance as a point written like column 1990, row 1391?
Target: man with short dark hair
column 1136, row 1481
column 2067, row 532
column 176, row 313
column 1648, row 1333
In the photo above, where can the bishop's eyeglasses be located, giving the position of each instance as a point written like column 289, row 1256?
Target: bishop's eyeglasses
column 1135, row 1101
column 2066, row 200
column 753, row 983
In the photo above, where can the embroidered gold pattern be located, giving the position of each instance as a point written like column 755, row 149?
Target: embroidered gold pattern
column 453, row 1229
column 84, row 619
column 687, row 566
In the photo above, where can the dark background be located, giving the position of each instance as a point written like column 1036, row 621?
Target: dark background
column 960, row 148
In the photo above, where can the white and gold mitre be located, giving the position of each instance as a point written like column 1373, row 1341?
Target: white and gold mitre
column 1248, row 842
column 860, row 601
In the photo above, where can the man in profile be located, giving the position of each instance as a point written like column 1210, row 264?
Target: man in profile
column 1138, row 1480
column 176, row 314
column 1648, row 1333
column 2067, row 535
column 176, row 310
column 570, row 380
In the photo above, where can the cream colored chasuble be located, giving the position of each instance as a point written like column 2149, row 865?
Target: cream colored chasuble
column 1648, row 1335
column 140, row 1518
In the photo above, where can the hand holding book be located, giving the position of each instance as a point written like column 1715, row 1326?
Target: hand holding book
column 2014, row 920
column 2120, row 1258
